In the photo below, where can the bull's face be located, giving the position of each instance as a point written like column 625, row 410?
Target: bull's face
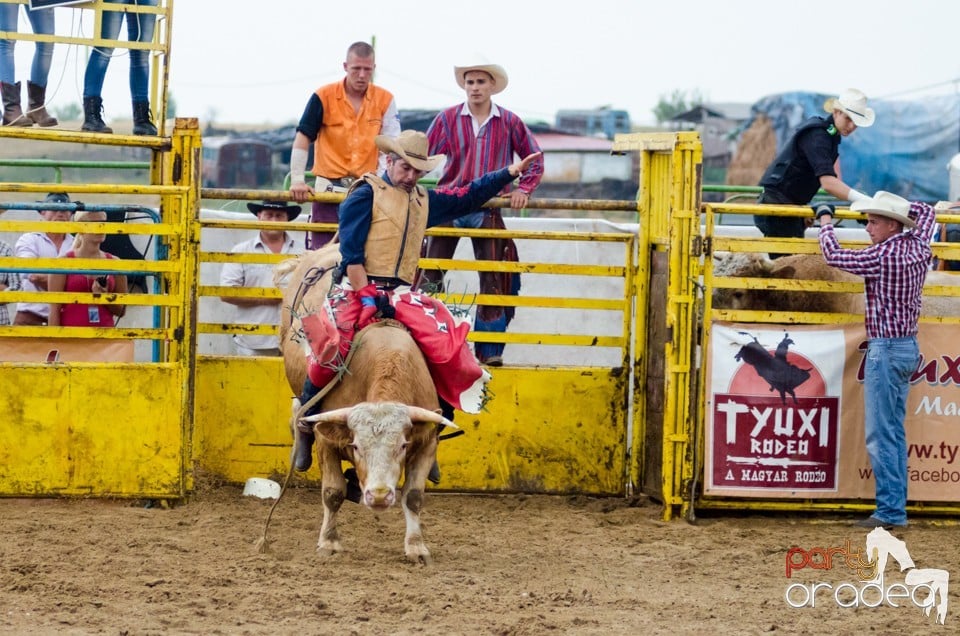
column 380, row 437
column 745, row 266
column 724, row 298
column 376, row 437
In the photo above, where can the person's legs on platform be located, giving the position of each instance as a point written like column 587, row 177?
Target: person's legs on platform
column 321, row 213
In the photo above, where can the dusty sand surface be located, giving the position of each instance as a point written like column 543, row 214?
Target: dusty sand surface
column 502, row 565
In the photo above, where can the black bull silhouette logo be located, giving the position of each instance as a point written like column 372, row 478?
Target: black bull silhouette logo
column 781, row 375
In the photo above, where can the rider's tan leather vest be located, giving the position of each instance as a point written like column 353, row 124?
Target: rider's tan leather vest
column 396, row 232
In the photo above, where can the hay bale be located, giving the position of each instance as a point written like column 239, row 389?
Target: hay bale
column 756, row 150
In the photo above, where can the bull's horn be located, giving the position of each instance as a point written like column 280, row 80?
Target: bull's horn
column 283, row 268
column 418, row 414
column 338, row 415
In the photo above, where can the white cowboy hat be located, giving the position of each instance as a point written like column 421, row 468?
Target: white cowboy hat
column 854, row 104
column 495, row 71
column 413, row 146
column 888, row 205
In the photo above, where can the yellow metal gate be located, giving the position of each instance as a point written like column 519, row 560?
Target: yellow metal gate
column 76, row 420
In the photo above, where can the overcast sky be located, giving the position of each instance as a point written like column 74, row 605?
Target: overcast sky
column 256, row 62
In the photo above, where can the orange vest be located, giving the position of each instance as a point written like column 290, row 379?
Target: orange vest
column 344, row 145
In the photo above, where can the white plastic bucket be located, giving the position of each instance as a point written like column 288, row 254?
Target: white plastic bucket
column 262, row 488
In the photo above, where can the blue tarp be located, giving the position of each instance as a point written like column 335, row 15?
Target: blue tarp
column 906, row 151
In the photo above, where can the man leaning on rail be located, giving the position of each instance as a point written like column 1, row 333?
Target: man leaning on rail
column 810, row 160
column 341, row 120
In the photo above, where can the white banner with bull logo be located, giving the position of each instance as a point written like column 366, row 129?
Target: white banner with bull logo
column 785, row 413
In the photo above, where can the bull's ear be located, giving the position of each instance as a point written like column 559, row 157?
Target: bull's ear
column 335, row 432
column 787, row 271
column 418, row 414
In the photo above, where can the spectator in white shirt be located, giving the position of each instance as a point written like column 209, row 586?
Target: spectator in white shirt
column 262, row 311
column 9, row 281
column 41, row 245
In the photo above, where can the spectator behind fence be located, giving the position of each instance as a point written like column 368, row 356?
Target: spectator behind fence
column 259, row 311
column 42, row 23
column 9, row 281
column 139, row 29
column 80, row 314
column 478, row 136
column 810, row 160
column 41, row 245
column 341, row 120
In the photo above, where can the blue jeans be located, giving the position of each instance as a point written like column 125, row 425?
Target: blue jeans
column 139, row 29
column 42, row 22
column 890, row 364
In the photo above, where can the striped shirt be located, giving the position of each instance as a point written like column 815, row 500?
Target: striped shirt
column 471, row 155
column 893, row 273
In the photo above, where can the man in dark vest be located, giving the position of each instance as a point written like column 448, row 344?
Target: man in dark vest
column 810, row 160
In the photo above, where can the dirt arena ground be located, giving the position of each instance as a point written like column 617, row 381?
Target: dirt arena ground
column 502, row 565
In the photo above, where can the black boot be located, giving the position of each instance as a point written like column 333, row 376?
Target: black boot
column 354, row 492
column 303, row 457
column 434, row 474
column 142, row 120
column 92, row 116
column 446, row 409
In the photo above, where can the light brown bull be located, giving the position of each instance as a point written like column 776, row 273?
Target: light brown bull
column 382, row 416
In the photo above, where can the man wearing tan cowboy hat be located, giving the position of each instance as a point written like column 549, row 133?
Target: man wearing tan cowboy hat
column 810, row 160
column 340, row 120
column 259, row 310
column 479, row 136
column 893, row 268
column 382, row 224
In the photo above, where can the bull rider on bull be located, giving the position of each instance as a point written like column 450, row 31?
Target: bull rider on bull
column 382, row 222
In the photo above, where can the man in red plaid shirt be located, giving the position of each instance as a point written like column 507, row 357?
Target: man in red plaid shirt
column 893, row 268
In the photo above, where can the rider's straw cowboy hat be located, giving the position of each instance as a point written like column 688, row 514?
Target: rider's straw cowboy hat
column 854, row 104
column 888, row 205
column 495, row 71
column 413, row 147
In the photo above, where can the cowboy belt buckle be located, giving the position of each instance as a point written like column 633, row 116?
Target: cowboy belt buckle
column 326, row 185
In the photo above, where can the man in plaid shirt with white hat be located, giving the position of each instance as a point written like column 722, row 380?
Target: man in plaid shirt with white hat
column 893, row 268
